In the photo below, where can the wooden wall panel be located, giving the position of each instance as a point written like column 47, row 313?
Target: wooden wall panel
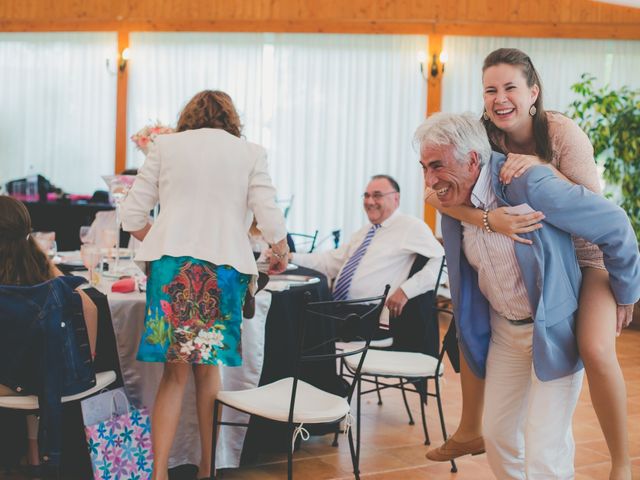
column 545, row 18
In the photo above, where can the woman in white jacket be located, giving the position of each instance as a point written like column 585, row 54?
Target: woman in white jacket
column 209, row 182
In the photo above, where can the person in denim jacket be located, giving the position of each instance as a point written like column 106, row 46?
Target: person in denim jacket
column 35, row 300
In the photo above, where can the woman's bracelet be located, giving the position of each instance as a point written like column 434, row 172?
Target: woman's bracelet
column 485, row 221
column 280, row 255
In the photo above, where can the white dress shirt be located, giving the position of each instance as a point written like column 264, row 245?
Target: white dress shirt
column 209, row 184
column 493, row 256
column 388, row 258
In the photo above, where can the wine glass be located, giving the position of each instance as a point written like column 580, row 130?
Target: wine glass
column 91, row 258
column 119, row 186
column 109, row 241
column 47, row 242
column 53, row 250
column 85, row 232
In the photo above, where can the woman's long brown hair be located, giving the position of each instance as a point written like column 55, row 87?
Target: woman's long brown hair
column 22, row 262
column 517, row 58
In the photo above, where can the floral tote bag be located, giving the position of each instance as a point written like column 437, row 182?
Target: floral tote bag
column 118, row 436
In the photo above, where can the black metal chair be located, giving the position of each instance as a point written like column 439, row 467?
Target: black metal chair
column 411, row 368
column 46, row 357
column 415, row 330
column 302, row 242
column 294, row 401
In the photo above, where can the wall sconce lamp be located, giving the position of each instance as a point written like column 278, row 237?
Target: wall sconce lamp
column 434, row 70
column 124, row 58
column 434, row 64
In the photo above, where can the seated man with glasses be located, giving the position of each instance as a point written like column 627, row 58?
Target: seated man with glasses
column 381, row 252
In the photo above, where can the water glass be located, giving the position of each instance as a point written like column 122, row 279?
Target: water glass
column 52, row 251
column 47, row 242
column 92, row 260
column 108, row 239
column 85, row 232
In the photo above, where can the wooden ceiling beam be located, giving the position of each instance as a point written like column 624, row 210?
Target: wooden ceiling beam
column 511, row 29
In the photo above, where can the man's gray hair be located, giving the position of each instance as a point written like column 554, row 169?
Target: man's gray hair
column 465, row 132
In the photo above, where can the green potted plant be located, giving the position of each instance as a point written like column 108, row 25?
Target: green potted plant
column 611, row 120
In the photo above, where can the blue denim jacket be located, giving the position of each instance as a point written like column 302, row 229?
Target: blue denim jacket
column 44, row 350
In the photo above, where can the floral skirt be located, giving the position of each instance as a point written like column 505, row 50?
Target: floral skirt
column 194, row 313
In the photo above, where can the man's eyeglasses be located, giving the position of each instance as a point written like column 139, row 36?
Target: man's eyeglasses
column 376, row 195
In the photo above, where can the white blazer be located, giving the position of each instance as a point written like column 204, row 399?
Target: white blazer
column 208, row 183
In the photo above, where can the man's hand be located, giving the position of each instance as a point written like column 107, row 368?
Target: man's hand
column 624, row 315
column 396, row 302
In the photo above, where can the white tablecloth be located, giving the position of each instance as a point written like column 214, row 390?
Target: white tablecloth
column 141, row 379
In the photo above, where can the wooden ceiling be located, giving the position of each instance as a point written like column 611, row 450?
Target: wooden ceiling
column 532, row 18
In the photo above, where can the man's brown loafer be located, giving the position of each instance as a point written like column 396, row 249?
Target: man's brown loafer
column 451, row 450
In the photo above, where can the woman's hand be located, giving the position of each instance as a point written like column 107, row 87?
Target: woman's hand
column 510, row 225
column 277, row 265
column 624, row 316
column 516, row 164
column 278, row 257
column 431, row 198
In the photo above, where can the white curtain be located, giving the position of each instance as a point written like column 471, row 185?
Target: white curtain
column 345, row 108
column 167, row 69
column 332, row 110
column 559, row 62
column 58, row 108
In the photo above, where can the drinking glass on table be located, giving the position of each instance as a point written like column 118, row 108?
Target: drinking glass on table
column 108, row 242
column 92, row 259
column 85, row 233
column 47, row 242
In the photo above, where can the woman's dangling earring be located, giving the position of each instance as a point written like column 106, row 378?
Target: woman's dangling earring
column 485, row 116
column 532, row 110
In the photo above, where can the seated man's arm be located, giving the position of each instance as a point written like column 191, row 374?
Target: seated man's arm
column 419, row 240
column 578, row 211
column 328, row 262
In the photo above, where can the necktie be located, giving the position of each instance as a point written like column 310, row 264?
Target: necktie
column 343, row 282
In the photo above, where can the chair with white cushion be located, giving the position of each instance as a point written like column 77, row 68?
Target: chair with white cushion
column 296, row 402
column 410, row 369
column 30, row 402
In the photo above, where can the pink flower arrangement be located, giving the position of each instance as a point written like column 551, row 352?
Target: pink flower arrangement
column 147, row 134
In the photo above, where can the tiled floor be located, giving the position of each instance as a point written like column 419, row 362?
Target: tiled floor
column 392, row 449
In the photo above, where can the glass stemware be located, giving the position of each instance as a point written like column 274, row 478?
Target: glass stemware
column 109, row 243
column 47, row 242
column 85, row 232
column 92, row 258
column 119, row 186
